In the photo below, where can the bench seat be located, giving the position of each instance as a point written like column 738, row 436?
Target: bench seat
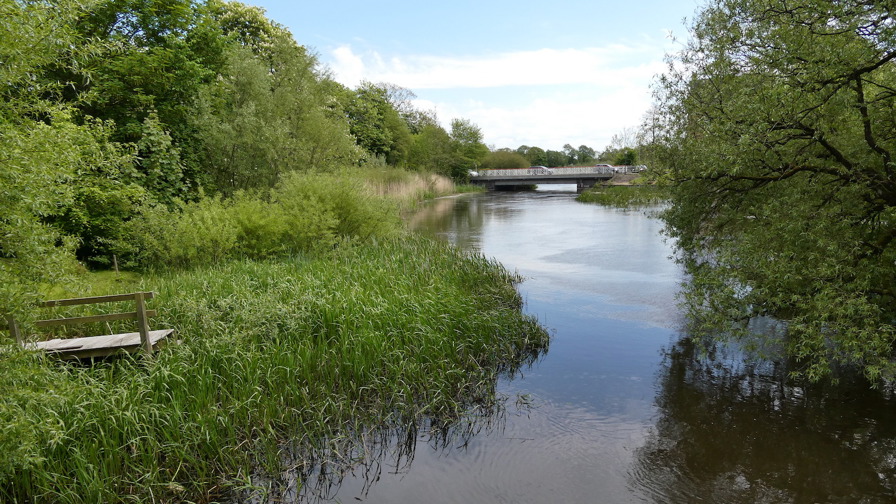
column 97, row 346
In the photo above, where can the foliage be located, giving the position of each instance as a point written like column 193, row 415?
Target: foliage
column 147, row 69
column 778, row 127
column 431, row 150
column 536, row 155
column 272, row 354
column 555, row 158
column 43, row 149
column 503, row 159
column 304, row 212
column 254, row 123
column 468, row 149
column 376, row 124
column 626, row 156
column 625, row 196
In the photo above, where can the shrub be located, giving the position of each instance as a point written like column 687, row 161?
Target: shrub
column 305, row 212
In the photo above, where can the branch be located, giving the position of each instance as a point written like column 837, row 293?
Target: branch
column 866, row 124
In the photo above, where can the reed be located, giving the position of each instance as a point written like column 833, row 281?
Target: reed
column 625, row 196
column 273, row 353
column 405, row 187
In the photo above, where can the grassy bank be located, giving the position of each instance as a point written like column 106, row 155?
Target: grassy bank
column 272, row 352
column 625, row 196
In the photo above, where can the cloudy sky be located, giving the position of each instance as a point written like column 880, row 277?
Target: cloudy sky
column 541, row 74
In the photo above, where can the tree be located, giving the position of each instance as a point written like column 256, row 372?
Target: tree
column 468, row 149
column 376, row 124
column 504, row 159
column 572, row 155
column 626, row 156
column 536, row 156
column 148, row 66
column 270, row 110
column 44, row 145
column 585, row 155
column 779, row 126
column 431, row 150
column 555, row 158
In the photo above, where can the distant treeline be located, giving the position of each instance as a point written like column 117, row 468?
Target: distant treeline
column 525, row 155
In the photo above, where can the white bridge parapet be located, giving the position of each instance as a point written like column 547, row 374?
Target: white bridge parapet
column 570, row 170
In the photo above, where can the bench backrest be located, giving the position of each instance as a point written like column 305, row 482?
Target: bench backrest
column 140, row 314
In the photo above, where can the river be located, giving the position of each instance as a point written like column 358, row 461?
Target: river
column 622, row 408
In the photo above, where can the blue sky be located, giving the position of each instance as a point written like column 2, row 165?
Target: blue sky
column 540, row 74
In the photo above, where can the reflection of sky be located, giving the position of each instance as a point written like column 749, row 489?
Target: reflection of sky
column 623, row 410
column 601, row 281
column 550, row 453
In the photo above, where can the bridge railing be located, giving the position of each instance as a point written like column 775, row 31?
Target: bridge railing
column 565, row 170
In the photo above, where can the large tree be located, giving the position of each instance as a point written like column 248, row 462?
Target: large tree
column 270, row 110
column 43, row 147
column 469, row 151
column 779, row 127
column 376, row 124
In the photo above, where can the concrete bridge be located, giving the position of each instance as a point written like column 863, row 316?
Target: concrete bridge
column 583, row 177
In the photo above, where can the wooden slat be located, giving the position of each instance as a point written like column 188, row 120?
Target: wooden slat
column 93, row 318
column 96, row 299
column 99, row 346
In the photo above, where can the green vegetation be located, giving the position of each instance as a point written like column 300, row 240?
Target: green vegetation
column 271, row 353
column 625, row 196
column 776, row 123
column 197, row 143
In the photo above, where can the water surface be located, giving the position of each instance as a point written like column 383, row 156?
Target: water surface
column 621, row 408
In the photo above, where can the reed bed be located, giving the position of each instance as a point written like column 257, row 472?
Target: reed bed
column 289, row 352
column 406, row 187
column 625, row 196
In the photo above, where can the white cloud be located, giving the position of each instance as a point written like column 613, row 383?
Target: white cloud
column 557, row 119
column 546, row 97
column 521, row 68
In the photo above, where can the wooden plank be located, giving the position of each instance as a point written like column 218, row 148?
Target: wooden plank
column 92, row 300
column 108, row 317
column 99, row 346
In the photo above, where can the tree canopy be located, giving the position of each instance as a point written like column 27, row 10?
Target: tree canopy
column 777, row 122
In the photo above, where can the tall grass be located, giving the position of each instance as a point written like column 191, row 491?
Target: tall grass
column 271, row 354
column 625, row 196
column 405, row 187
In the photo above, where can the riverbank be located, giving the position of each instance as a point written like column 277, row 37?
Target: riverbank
column 289, row 351
column 623, row 194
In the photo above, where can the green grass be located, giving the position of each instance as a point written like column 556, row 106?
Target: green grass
column 287, row 352
column 625, row 196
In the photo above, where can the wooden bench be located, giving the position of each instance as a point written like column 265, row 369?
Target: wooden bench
column 98, row 346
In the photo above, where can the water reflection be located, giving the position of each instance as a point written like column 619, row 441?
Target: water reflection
column 314, row 472
column 623, row 410
column 735, row 430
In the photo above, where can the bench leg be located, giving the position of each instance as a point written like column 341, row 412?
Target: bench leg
column 14, row 330
column 142, row 324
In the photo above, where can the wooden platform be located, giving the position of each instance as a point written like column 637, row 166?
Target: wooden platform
column 98, row 346
column 143, row 340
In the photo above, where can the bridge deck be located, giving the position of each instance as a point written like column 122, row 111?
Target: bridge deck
column 582, row 176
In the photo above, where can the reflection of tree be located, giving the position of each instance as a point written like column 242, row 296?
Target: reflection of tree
column 458, row 219
column 313, row 471
column 733, row 431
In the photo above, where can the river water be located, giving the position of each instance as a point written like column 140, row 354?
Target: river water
column 621, row 408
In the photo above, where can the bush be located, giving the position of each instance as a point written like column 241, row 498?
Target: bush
column 193, row 233
column 305, row 212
